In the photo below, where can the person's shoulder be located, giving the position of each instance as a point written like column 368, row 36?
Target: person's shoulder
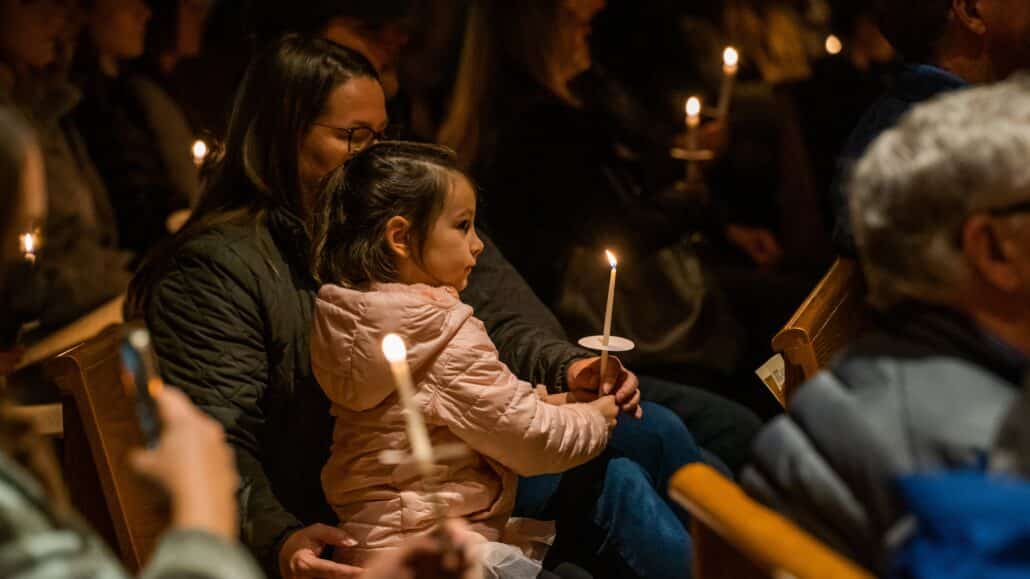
column 236, row 246
column 235, row 236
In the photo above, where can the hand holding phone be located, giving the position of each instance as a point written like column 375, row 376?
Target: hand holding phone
column 142, row 381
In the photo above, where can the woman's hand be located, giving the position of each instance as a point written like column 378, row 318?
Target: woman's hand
column 194, row 464
column 586, row 383
column 759, row 243
column 299, row 556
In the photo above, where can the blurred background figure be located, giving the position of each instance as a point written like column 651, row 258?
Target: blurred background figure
column 563, row 177
column 945, row 46
column 378, row 30
column 37, row 517
column 136, row 135
column 84, row 265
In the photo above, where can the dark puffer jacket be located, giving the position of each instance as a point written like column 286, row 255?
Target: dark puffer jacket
column 231, row 321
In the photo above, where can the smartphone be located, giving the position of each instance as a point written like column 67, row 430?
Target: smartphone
column 141, row 380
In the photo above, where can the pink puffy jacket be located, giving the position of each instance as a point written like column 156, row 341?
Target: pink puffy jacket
column 466, row 395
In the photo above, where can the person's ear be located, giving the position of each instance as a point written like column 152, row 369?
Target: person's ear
column 988, row 254
column 398, row 230
column 969, row 15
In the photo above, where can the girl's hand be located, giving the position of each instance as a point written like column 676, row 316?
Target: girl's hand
column 608, row 408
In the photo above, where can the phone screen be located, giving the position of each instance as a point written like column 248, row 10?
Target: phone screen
column 140, row 378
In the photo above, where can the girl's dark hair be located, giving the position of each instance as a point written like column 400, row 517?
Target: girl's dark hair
column 388, row 179
column 285, row 89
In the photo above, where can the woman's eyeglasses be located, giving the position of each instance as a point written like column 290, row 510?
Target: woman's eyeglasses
column 358, row 137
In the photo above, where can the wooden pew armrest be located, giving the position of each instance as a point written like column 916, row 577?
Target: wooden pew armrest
column 770, row 542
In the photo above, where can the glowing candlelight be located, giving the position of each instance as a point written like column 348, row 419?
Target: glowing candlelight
column 693, row 109
column 730, row 62
column 606, row 338
column 199, row 150
column 29, row 246
column 834, row 46
column 397, row 354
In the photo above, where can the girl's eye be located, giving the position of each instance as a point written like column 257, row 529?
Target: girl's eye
column 464, row 225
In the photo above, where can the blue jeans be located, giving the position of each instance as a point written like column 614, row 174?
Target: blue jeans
column 614, row 515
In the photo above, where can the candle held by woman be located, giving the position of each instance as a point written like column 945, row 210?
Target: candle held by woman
column 730, row 64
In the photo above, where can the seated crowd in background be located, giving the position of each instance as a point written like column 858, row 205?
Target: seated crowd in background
column 268, row 282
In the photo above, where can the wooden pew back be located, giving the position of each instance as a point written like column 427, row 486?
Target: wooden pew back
column 90, row 374
column 832, row 316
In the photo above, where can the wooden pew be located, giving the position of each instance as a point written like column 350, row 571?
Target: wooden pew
column 832, row 315
column 735, row 537
column 75, row 333
column 100, row 430
column 48, row 419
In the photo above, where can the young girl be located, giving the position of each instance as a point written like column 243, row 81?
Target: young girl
column 397, row 239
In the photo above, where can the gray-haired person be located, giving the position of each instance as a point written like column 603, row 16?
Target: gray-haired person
column 941, row 211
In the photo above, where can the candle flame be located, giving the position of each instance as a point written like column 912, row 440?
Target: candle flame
column 394, row 349
column 199, row 150
column 730, row 56
column 28, row 243
column 611, row 258
column 693, row 106
column 834, row 45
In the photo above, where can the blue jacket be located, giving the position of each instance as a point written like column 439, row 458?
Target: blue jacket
column 968, row 526
column 914, row 84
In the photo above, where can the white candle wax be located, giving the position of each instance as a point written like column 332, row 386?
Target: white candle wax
column 606, row 338
column 730, row 61
column 396, row 354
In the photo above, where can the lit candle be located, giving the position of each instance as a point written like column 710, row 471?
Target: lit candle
column 833, row 45
column 730, row 60
column 397, row 355
column 608, row 313
column 28, row 246
column 199, row 150
column 693, row 121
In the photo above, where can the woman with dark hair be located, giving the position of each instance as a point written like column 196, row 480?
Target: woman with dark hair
column 136, row 135
column 229, row 301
